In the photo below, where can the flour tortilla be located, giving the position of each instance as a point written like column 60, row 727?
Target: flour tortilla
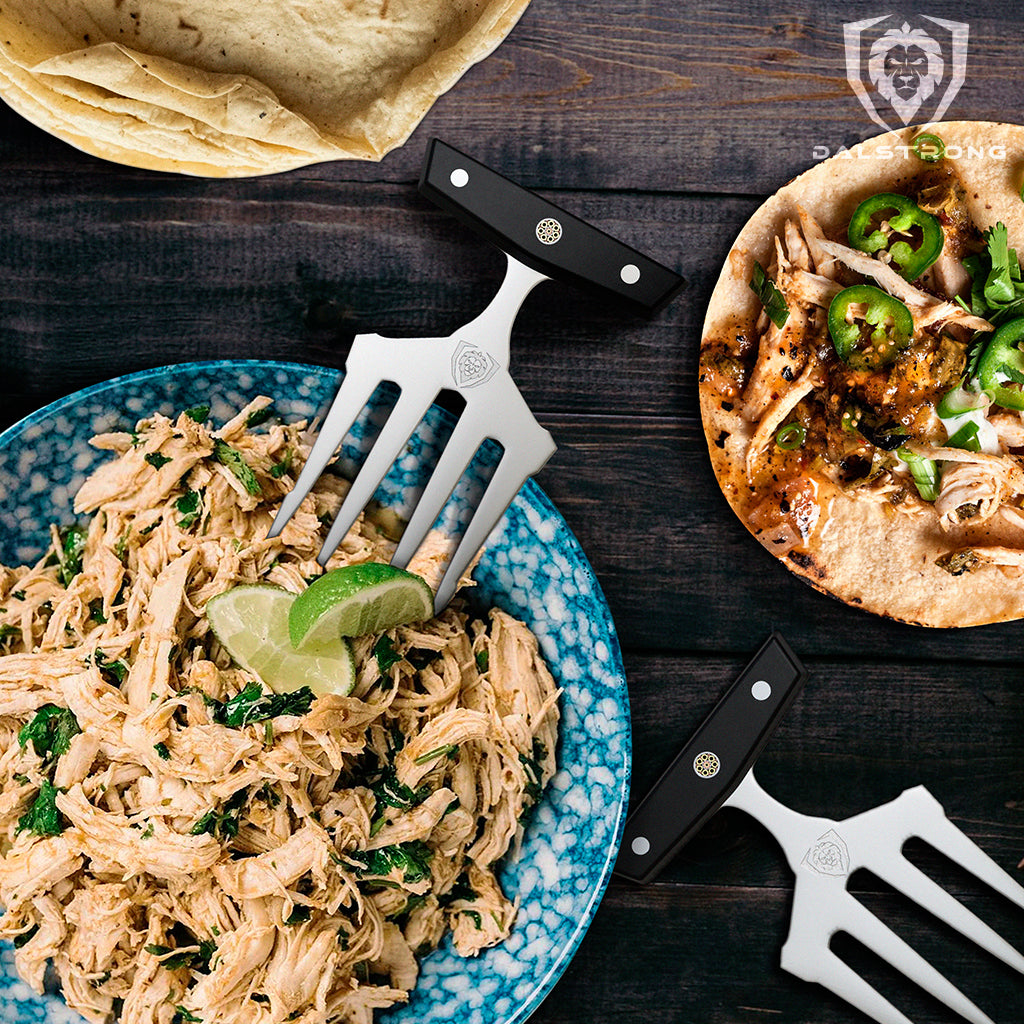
column 863, row 552
column 231, row 87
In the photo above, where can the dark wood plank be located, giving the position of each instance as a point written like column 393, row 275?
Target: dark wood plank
column 96, row 282
column 707, row 955
column 857, row 736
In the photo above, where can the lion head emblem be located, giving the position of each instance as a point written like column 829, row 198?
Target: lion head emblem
column 905, row 65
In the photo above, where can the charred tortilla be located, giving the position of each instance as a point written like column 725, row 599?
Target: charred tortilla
column 834, row 496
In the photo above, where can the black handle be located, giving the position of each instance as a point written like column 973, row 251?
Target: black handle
column 540, row 234
column 713, row 762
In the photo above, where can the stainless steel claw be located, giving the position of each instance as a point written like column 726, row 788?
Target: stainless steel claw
column 824, row 854
column 474, row 362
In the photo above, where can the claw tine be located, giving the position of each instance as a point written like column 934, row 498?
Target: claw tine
column 845, row 982
column 457, row 455
column 509, row 475
column 938, row 831
column 915, row 884
column 859, row 922
column 404, row 418
column 352, row 396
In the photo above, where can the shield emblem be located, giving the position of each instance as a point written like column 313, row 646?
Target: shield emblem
column 897, row 69
column 472, row 366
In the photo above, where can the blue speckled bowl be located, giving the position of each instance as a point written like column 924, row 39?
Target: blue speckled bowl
column 533, row 567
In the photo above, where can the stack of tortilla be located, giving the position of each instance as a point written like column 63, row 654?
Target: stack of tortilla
column 231, row 87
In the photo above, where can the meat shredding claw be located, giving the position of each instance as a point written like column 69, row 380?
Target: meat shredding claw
column 539, row 240
column 715, row 770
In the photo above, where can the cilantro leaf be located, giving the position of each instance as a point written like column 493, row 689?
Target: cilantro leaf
column 232, row 458
column 385, row 653
column 198, row 413
column 70, row 552
column 190, row 506
column 253, row 705
column 412, row 859
column 156, row 460
column 258, row 416
column 771, row 298
column 50, row 731
column 43, row 817
column 115, row 672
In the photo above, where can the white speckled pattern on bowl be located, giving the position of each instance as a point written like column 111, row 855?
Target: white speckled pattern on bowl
column 533, row 567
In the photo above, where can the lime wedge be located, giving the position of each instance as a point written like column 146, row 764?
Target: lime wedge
column 358, row 599
column 252, row 624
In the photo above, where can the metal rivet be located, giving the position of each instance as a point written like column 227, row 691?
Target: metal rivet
column 630, row 274
column 548, row 231
column 640, row 845
column 761, row 690
column 459, row 177
column 706, row 764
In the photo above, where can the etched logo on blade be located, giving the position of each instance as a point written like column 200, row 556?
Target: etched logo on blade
column 828, row 856
column 472, row 366
column 912, row 71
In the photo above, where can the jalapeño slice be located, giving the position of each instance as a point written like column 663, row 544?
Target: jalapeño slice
column 1001, row 370
column 853, row 311
column 902, row 215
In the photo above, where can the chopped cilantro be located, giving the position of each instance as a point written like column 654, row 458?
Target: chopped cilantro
column 298, row 915
column 224, row 822
column 258, row 416
column 96, row 610
column 385, row 653
column 531, row 766
column 184, row 1016
column 412, row 859
column 771, row 298
column 161, row 749
column 482, row 660
column 189, row 505
column 198, row 413
column 43, row 817
column 279, row 469
column 115, row 672
column 50, row 731
column 69, row 554
column 121, row 547
column 232, row 458
column 197, row 959
column 253, row 705
column 156, row 460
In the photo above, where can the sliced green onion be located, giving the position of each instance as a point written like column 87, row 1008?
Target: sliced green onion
column 924, row 471
column 929, row 148
column 433, row 755
column 966, row 437
column 960, row 400
column 791, row 436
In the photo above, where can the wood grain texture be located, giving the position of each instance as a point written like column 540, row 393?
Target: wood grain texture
column 666, row 125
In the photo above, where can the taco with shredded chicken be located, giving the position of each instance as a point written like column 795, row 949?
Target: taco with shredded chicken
column 862, row 375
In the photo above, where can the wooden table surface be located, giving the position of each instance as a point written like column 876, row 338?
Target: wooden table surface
column 666, row 126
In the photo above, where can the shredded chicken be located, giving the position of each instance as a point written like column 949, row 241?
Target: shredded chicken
column 171, row 866
column 927, row 310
